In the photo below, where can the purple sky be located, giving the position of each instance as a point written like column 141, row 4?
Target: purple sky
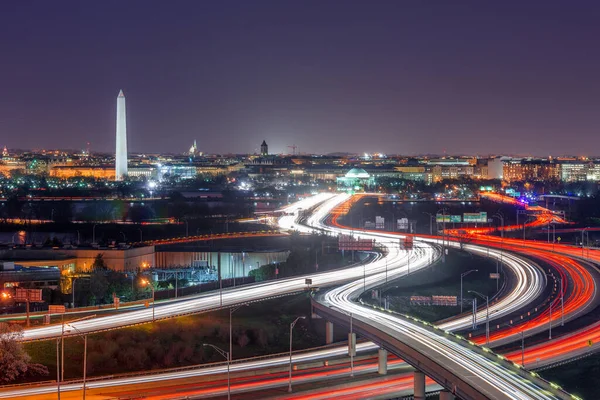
column 378, row 76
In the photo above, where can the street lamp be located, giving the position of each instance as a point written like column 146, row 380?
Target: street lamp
column 60, row 363
column 85, row 336
column 231, row 311
column 351, row 342
column 522, row 345
column 487, row 315
column 228, row 358
column 431, row 218
column 94, row 234
column 146, row 282
column 461, row 286
column 291, row 330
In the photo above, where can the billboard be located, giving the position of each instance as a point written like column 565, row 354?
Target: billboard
column 475, row 217
column 33, row 295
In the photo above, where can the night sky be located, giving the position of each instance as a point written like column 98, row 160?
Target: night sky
column 480, row 77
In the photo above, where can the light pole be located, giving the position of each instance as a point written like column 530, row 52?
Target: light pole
column 228, row 358
column 85, row 336
column 146, row 282
column 94, row 234
column 291, row 331
column 73, row 280
column 522, row 345
column 501, row 218
column 60, row 361
column 351, row 342
column 431, row 218
column 231, row 311
column 562, row 304
column 550, row 324
column 141, row 235
column 461, row 286
column 487, row 315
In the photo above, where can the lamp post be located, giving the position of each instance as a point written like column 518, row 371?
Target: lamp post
column 351, row 342
column 431, row 218
column 291, row 331
column 443, row 211
column 562, row 304
column 522, row 345
column 487, row 315
column 60, row 362
column 228, row 358
column 141, row 235
column 94, row 233
column 73, row 280
column 85, row 336
column 231, row 311
column 550, row 324
column 501, row 218
column 146, row 282
column 461, row 286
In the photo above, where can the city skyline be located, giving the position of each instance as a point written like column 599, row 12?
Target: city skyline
column 394, row 78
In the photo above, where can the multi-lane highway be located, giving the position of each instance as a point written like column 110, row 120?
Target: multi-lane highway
column 396, row 263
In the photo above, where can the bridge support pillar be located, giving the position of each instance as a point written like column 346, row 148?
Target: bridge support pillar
column 328, row 332
column 352, row 345
column 419, row 379
column 446, row 395
column 383, row 359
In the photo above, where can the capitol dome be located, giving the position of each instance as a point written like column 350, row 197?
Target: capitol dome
column 357, row 173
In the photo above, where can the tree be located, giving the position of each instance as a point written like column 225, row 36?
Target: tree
column 14, row 361
column 99, row 263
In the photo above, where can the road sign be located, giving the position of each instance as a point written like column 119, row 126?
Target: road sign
column 347, row 242
column 475, row 217
column 439, row 218
column 406, row 243
column 56, row 309
column 308, row 281
column 559, row 239
column 402, row 224
column 31, row 295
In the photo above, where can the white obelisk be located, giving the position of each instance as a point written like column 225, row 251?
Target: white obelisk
column 121, row 154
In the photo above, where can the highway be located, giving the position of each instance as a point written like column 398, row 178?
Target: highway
column 395, row 262
column 530, row 279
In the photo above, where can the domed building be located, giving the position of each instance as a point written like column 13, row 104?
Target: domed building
column 356, row 179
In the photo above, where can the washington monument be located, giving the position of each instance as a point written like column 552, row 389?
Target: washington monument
column 121, row 155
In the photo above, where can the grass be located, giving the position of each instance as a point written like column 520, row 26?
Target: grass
column 178, row 342
column 444, row 279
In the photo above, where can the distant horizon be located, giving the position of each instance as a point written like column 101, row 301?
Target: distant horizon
column 330, row 154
